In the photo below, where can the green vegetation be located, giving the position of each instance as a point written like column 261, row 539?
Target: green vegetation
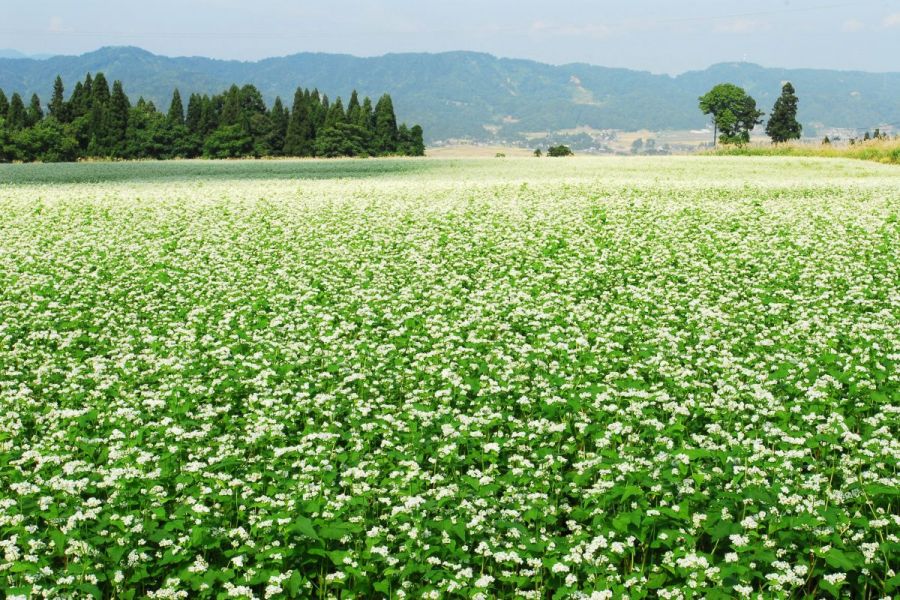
column 560, row 150
column 203, row 170
column 524, row 378
column 454, row 95
column 733, row 111
column 98, row 123
column 879, row 150
column 783, row 125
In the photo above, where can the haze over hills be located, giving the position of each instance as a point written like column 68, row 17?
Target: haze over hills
column 468, row 95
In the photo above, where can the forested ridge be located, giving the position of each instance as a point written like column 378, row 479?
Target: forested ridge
column 475, row 96
column 99, row 121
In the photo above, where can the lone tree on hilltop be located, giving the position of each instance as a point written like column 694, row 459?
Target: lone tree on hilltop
column 783, row 124
column 734, row 113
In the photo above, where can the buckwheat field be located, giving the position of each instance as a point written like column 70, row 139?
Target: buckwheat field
column 586, row 378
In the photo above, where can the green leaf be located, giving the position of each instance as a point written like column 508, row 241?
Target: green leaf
column 840, row 560
column 304, row 526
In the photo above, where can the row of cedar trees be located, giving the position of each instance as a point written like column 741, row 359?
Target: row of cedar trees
column 96, row 122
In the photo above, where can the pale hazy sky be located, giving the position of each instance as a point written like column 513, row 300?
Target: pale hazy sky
column 654, row 35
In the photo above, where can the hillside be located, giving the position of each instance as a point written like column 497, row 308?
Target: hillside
column 480, row 97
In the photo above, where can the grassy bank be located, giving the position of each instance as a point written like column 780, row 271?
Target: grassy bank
column 883, row 151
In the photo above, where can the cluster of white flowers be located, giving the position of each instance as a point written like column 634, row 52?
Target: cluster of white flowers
column 611, row 377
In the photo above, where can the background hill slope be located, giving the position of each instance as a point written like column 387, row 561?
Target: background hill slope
column 477, row 96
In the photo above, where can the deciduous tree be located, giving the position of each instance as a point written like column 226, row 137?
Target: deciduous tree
column 733, row 112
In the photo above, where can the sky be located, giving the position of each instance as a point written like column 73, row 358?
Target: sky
column 651, row 35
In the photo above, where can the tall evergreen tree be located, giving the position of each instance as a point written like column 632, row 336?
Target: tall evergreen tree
column 209, row 114
column 280, row 118
column 385, row 126
column 58, row 102
column 4, row 104
column 79, row 102
column 783, row 124
column 194, row 113
column 99, row 89
column 35, row 112
column 175, row 115
column 353, row 108
column 109, row 121
column 88, row 90
column 300, row 137
column 231, row 108
column 15, row 114
column 97, row 126
column 366, row 116
column 336, row 114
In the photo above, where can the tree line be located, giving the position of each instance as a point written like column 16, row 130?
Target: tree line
column 99, row 121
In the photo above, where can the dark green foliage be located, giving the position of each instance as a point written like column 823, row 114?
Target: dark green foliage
column 99, row 89
column 98, row 121
column 386, row 134
column 279, row 118
column 48, row 141
column 35, row 111
column 300, row 136
column 410, row 141
column 176, row 109
column 559, row 151
column 80, row 102
column 734, row 113
column 341, row 139
column 58, row 107
column 15, row 114
column 194, row 113
column 228, row 141
column 783, row 124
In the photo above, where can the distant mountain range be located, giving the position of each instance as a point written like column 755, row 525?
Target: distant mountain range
column 468, row 95
column 10, row 53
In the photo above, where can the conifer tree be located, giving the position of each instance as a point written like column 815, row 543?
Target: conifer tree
column 58, row 102
column 209, row 115
column 319, row 111
column 236, row 123
column 366, row 116
column 99, row 89
column 15, row 114
column 88, row 89
column 79, row 102
column 35, row 112
column 280, row 119
column 783, row 124
column 231, row 108
column 97, row 126
column 353, row 108
column 175, row 115
column 385, row 126
column 300, row 135
column 194, row 113
column 116, row 125
column 336, row 114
